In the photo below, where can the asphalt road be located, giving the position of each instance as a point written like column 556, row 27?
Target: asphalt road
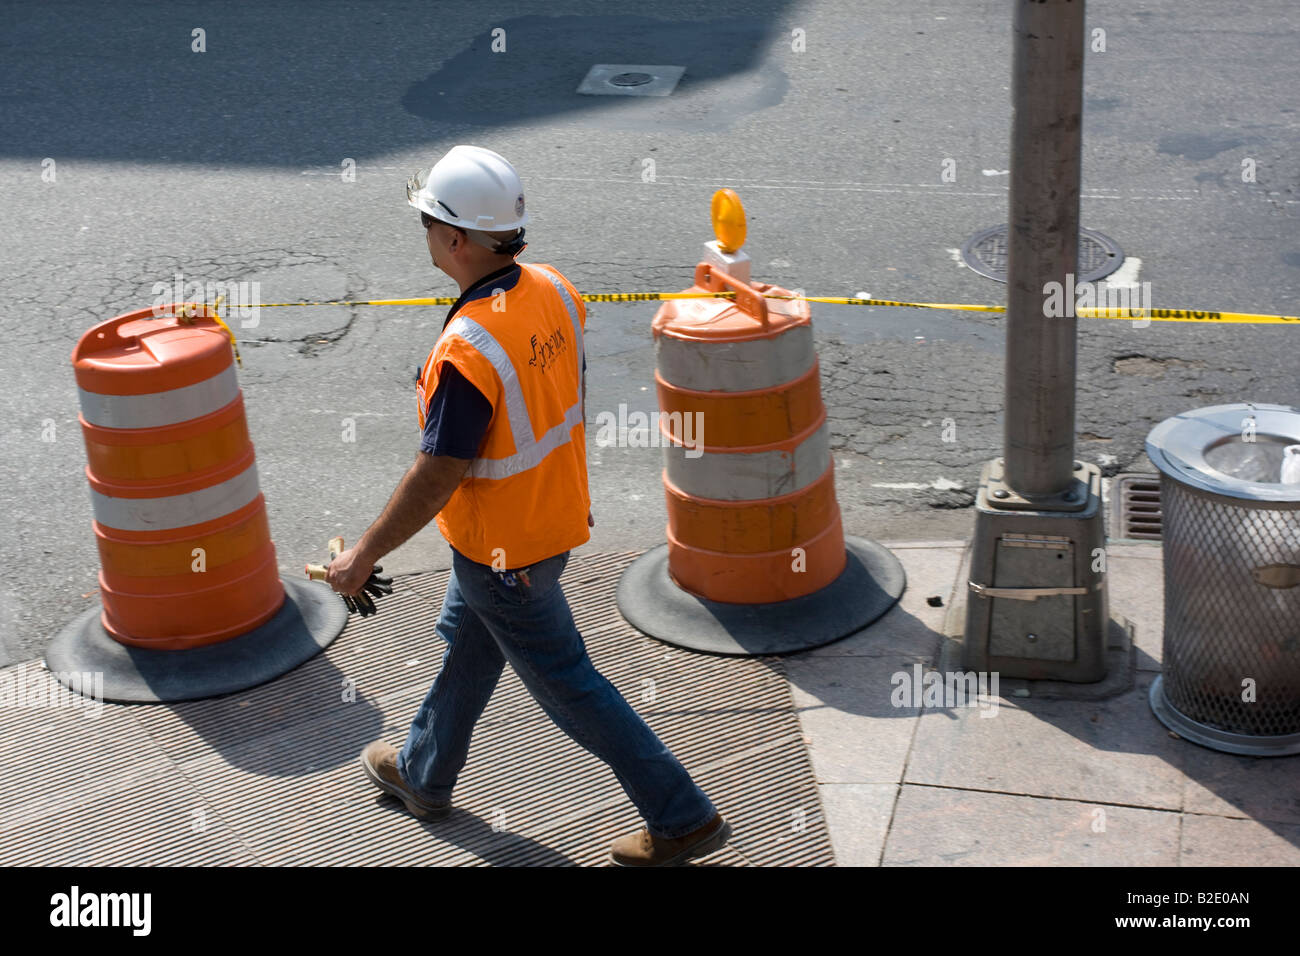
column 226, row 166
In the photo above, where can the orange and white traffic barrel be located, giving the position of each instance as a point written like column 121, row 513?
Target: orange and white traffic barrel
column 186, row 556
column 748, row 474
column 756, row 559
column 185, row 550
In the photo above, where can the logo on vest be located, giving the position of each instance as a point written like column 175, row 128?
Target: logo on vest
column 548, row 349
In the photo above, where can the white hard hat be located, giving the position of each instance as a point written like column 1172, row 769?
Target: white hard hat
column 471, row 187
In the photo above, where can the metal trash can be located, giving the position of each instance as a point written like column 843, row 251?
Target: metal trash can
column 1230, row 677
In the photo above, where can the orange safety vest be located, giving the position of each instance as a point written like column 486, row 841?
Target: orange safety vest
column 524, row 498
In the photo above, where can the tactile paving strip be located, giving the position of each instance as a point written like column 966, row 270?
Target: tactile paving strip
column 270, row 775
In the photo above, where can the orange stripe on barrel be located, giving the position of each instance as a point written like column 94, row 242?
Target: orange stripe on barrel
column 752, row 527
column 144, row 453
column 758, row 578
column 212, row 608
column 741, row 419
column 125, row 554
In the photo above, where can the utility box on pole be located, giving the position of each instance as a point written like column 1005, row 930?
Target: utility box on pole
column 1037, row 602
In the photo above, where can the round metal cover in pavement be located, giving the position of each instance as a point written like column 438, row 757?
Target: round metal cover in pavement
column 631, row 79
column 986, row 253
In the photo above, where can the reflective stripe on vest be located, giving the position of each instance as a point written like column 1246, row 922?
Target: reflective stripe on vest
column 521, row 425
column 529, row 451
column 531, row 456
column 577, row 327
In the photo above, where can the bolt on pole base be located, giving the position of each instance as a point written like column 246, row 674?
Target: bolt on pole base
column 1037, row 603
column 1002, row 496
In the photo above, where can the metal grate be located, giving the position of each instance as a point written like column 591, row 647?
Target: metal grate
column 270, row 775
column 1227, row 634
column 1139, row 510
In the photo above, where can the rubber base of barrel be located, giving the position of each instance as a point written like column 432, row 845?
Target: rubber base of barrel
column 871, row 583
column 311, row 617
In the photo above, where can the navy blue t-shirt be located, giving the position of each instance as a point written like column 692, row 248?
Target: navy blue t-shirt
column 457, row 418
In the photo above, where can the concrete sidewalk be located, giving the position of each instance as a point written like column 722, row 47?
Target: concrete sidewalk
column 807, row 754
column 1036, row 781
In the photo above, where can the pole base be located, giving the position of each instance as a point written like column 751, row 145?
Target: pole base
column 309, row 620
column 1036, row 604
column 1212, row 737
column 870, row 584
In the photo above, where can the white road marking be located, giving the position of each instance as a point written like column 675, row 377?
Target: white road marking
column 1126, row 276
column 914, row 188
column 996, row 172
column 939, row 484
column 331, row 411
column 955, row 256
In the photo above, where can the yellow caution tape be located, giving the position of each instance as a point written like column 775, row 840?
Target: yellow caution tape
column 1162, row 315
column 452, row 300
column 189, row 310
column 230, row 332
column 1156, row 315
column 1187, row 315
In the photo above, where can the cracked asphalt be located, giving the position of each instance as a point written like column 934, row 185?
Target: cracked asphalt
column 226, row 166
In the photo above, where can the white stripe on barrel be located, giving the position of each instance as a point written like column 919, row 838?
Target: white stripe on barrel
column 176, row 511
column 749, row 476
column 750, row 364
column 157, row 409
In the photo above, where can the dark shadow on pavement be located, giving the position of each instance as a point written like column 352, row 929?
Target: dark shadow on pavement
column 296, row 83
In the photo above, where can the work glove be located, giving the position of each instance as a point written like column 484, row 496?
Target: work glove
column 363, row 602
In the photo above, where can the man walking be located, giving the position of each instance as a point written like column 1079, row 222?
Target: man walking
column 503, row 466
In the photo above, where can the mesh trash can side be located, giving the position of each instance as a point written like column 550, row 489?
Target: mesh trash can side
column 1230, row 677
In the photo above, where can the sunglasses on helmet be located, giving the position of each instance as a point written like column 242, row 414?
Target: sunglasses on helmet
column 414, row 186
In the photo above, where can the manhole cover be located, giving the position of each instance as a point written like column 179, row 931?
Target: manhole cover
column 986, row 253
column 630, row 79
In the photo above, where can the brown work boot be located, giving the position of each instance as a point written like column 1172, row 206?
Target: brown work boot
column 644, row 849
column 379, row 760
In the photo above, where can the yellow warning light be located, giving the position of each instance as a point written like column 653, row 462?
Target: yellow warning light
column 728, row 217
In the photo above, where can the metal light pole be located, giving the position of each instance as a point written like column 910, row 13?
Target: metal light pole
column 1043, row 244
column 1037, row 607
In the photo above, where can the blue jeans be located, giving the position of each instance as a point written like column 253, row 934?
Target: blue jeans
column 490, row 617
